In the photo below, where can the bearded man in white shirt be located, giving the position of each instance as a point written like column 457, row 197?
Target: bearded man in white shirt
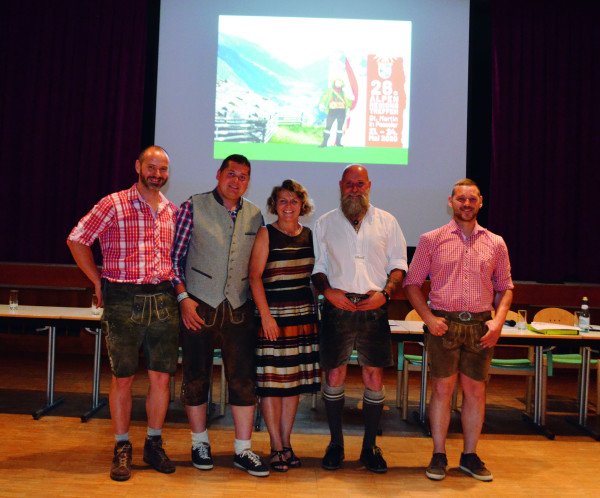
column 360, row 260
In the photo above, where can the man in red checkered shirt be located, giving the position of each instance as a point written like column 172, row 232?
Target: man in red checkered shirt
column 136, row 228
column 470, row 277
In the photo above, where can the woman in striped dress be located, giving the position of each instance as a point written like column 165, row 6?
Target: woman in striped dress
column 287, row 353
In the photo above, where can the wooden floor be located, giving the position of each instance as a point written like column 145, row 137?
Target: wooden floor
column 60, row 456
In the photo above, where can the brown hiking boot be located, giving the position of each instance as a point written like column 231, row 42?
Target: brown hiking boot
column 155, row 456
column 121, row 469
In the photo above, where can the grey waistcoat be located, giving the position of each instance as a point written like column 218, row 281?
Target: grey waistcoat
column 219, row 252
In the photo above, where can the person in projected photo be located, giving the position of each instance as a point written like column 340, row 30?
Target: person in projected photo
column 360, row 260
column 287, row 353
column 336, row 105
column 214, row 236
column 136, row 229
column 470, row 277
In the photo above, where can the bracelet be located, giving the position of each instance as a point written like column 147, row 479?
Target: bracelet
column 181, row 296
column 386, row 295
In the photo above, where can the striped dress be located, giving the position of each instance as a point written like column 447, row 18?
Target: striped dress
column 289, row 365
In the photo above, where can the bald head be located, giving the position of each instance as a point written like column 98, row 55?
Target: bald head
column 153, row 150
column 355, row 170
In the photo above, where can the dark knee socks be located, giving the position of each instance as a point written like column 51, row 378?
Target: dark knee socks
column 372, row 410
column 334, row 404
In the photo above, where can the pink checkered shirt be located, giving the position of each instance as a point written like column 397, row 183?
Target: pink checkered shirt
column 135, row 241
column 464, row 273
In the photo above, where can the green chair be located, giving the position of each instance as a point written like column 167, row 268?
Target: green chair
column 521, row 366
column 570, row 360
column 406, row 363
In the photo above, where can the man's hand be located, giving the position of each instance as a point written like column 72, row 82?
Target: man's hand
column 190, row 318
column 375, row 300
column 338, row 298
column 269, row 325
column 436, row 325
column 491, row 337
column 98, row 291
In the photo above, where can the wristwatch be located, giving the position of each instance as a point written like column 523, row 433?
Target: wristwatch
column 386, row 295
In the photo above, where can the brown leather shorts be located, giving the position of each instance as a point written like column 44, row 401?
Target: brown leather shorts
column 459, row 349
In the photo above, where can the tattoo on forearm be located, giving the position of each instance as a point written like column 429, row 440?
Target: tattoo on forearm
column 394, row 281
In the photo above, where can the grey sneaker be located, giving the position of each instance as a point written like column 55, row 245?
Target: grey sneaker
column 250, row 462
column 472, row 465
column 155, row 456
column 437, row 467
column 201, row 457
column 121, row 468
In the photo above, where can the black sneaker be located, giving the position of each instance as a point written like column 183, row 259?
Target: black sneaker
column 472, row 465
column 201, row 458
column 437, row 467
column 250, row 462
column 121, row 469
column 373, row 460
column 334, row 455
column 155, row 456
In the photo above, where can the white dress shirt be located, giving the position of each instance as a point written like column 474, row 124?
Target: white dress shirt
column 359, row 262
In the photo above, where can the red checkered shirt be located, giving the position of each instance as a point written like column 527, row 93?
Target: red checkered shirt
column 464, row 272
column 135, row 241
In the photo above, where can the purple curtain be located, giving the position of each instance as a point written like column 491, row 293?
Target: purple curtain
column 545, row 137
column 71, row 102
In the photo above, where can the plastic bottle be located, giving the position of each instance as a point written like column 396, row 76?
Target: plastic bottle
column 584, row 316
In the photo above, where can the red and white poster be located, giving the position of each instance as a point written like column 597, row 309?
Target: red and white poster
column 386, row 101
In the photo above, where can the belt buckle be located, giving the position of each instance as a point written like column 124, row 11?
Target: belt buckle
column 354, row 298
column 464, row 316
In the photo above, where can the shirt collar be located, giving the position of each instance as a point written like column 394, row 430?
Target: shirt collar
column 133, row 195
column 219, row 199
column 455, row 228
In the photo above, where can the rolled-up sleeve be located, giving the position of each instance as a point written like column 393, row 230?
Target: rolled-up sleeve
column 420, row 264
column 93, row 224
column 321, row 264
column 397, row 258
column 501, row 277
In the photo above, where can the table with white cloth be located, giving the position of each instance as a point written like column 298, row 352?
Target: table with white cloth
column 50, row 317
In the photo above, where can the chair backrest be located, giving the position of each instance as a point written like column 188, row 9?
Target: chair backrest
column 413, row 316
column 510, row 315
column 554, row 315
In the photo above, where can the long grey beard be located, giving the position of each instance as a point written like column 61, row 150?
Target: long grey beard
column 355, row 209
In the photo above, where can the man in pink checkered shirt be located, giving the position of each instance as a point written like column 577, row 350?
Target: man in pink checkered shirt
column 470, row 277
column 136, row 228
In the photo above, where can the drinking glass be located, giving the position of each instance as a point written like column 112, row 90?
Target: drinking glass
column 13, row 300
column 95, row 309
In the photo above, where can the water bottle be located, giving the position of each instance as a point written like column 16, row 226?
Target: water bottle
column 584, row 316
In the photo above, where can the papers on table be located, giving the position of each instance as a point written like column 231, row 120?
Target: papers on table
column 553, row 328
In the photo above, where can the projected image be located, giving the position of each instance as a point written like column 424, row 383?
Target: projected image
column 313, row 90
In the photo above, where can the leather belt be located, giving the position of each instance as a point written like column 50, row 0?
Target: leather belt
column 464, row 316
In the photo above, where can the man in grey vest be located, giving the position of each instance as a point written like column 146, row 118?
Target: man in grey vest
column 215, row 232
